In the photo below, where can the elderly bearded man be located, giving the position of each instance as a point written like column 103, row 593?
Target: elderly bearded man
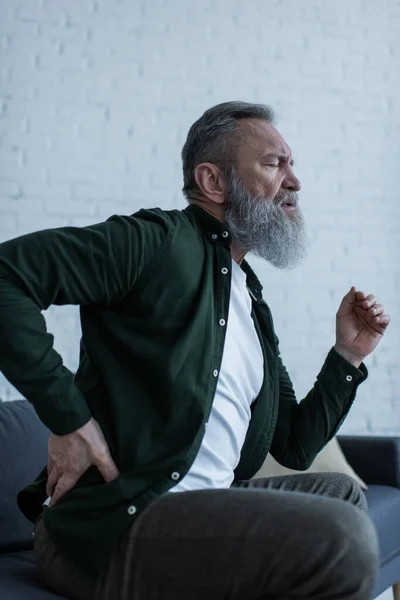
column 181, row 392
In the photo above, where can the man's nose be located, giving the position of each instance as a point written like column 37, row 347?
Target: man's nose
column 297, row 185
column 292, row 183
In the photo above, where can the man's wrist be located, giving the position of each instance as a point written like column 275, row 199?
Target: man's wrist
column 353, row 360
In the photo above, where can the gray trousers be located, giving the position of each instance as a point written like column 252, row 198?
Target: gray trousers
column 302, row 536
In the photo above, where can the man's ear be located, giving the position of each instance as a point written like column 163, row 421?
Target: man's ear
column 210, row 181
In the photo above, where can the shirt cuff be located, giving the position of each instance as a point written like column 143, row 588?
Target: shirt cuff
column 63, row 413
column 341, row 374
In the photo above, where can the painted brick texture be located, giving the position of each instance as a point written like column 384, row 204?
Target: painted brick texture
column 96, row 98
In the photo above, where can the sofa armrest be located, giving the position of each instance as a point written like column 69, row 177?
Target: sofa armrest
column 374, row 459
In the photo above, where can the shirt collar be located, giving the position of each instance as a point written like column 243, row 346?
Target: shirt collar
column 215, row 230
column 253, row 283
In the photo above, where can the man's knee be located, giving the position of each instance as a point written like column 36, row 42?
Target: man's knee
column 346, row 488
column 324, row 543
column 353, row 545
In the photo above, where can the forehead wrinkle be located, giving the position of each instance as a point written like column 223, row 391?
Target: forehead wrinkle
column 252, row 136
column 249, row 132
column 257, row 139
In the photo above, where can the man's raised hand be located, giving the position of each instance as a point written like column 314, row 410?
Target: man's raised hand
column 360, row 324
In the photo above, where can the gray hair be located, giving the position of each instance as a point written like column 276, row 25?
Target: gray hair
column 212, row 138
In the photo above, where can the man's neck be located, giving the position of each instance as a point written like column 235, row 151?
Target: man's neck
column 238, row 254
column 215, row 210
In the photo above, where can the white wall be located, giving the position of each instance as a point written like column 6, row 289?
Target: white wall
column 97, row 98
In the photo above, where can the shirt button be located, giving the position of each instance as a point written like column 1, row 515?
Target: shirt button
column 225, row 234
column 131, row 510
column 224, row 270
column 349, row 378
column 222, row 322
column 175, row 475
column 215, row 373
column 214, row 236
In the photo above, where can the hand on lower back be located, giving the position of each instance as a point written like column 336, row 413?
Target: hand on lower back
column 70, row 456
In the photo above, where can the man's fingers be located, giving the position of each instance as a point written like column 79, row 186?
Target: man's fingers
column 378, row 322
column 376, row 310
column 383, row 320
column 64, row 484
column 107, row 468
column 369, row 301
column 52, row 479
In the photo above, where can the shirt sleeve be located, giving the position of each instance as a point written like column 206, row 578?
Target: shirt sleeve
column 304, row 428
column 71, row 265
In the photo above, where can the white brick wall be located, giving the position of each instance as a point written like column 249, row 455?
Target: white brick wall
column 97, row 97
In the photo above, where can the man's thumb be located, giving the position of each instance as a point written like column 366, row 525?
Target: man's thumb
column 350, row 297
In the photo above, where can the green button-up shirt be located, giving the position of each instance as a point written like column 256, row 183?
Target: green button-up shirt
column 152, row 289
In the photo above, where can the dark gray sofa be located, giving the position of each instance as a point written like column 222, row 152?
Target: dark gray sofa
column 23, row 453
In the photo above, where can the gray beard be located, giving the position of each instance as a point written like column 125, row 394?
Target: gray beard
column 260, row 226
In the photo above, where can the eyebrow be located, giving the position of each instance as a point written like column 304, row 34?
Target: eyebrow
column 281, row 157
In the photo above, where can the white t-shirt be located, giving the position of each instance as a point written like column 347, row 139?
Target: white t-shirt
column 239, row 383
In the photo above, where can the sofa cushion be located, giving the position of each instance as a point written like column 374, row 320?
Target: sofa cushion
column 384, row 510
column 23, row 454
column 19, row 578
column 330, row 460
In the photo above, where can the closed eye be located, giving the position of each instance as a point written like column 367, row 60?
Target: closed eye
column 278, row 158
